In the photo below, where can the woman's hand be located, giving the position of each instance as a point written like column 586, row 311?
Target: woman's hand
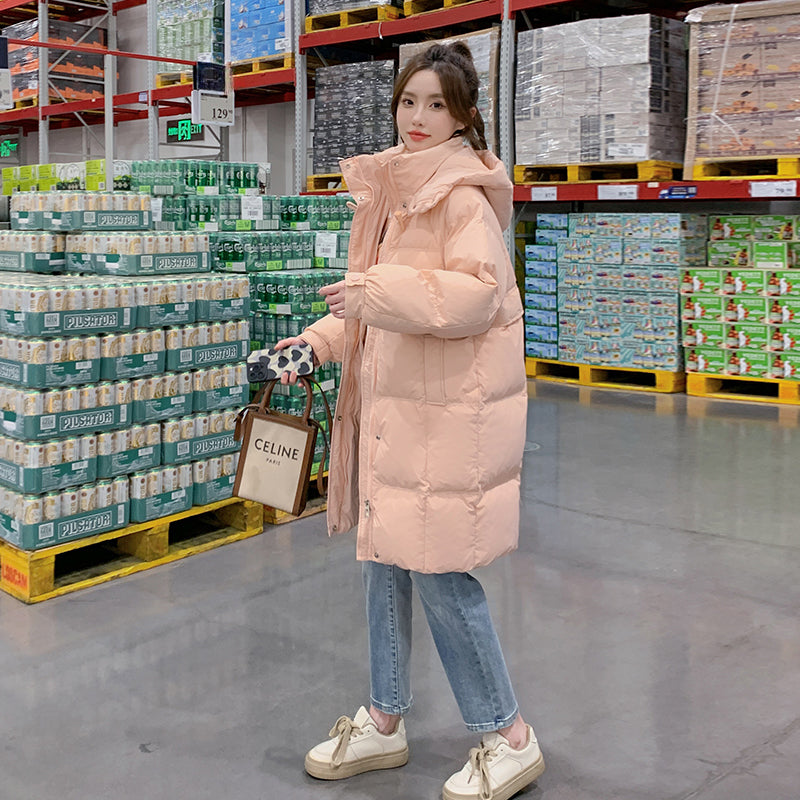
column 291, row 377
column 334, row 297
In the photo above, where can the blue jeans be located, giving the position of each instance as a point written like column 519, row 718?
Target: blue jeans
column 458, row 615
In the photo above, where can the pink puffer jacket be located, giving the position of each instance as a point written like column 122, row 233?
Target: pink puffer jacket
column 430, row 423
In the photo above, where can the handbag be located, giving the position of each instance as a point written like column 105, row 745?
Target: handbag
column 278, row 451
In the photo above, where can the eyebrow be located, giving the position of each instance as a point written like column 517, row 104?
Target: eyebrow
column 430, row 96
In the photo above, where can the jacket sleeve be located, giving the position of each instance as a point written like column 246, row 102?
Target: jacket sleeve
column 326, row 337
column 460, row 300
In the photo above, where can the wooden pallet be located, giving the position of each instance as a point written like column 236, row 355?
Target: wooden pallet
column 628, row 378
column 32, row 576
column 351, row 17
column 321, row 183
column 412, row 7
column 754, row 390
column 164, row 79
column 742, row 167
column 253, row 66
column 26, row 102
column 592, row 173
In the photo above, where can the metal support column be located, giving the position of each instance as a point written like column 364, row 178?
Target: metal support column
column 300, row 101
column 152, row 110
column 109, row 90
column 505, row 102
column 44, row 83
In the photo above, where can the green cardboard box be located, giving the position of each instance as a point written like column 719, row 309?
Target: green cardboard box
column 162, row 315
column 782, row 282
column 740, row 282
column 705, row 360
column 227, row 397
column 784, row 310
column 215, row 444
column 771, row 255
column 774, row 227
column 785, row 366
column 785, row 338
column 76, row 323
column 44, row 263
column 748, row 363
column 223, row 310
column 707, row 307
column 701, row 281
column 731, row 227
column 706, row 334
column 163, row 408
column 213, row 491
column 139, row 365
column 155, row 264
column 729, row 253
column 747, row 335
column 745, row 308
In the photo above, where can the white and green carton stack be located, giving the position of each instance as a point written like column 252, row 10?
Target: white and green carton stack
column 618, row 287
column 741, row 309
column 118, row 377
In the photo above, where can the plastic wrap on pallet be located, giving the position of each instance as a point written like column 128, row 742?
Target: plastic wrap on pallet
column 485, row 49
column 601, row 90
column 352, row 112
column 316, row 7
column 744, row 93
column 188, row 29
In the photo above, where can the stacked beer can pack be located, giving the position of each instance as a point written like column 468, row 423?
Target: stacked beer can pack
column 741, row 309
column 618, row 287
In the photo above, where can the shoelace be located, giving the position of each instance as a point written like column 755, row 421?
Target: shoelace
column 344, row 729
column 479, row 758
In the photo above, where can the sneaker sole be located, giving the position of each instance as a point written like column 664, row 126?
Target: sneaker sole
column 507, row 790
column 324, row 771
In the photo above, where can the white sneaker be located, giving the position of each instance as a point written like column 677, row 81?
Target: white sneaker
column 357, row 746
column 495, row 771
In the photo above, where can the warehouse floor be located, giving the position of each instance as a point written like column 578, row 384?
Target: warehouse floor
column 651, row 621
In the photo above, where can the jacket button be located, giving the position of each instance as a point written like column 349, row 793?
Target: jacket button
column 404, row 205
column 334, row 528
column 339, row 418
column 375, row 555
column 378, row 436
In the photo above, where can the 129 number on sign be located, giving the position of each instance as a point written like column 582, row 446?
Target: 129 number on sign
column 212, row 109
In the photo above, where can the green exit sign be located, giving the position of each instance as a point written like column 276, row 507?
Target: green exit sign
column 8, row 147
column 184, row 130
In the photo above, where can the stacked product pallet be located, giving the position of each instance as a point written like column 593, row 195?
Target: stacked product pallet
column 352, row 112
column 618, row 287
column 541, row 286
column 741, row 311
column 284, row 248
column 94, row 175
column 188, row 30
column 73, row 76
column 743, row 89
column 316, row 7
column 122, row 379
column 601, row 90
column 261, row 28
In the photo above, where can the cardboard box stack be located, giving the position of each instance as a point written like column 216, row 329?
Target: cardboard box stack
column 261, row 28
column 188, row 29
column 96, row 175
column 316, row 7
column 741, row 311
column 618, row 282
column 73, row 76
column 541, row 277
column 744, row 93
column 601, row 90
column 485, row 48
column 352, row 112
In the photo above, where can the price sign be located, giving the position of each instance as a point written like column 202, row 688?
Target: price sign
column 325, row 245
column 617, row 191
column 773, row 188
column 544, row 194
column 212, row 109
column 156, row 208
column 252, row 207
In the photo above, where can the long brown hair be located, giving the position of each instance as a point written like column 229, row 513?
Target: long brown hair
column 455, row 69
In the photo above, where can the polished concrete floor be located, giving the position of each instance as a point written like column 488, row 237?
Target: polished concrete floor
column 651, row 621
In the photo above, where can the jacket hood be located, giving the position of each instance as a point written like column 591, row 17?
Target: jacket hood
column 427, row 177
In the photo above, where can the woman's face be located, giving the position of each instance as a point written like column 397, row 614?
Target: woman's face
column 423, row 119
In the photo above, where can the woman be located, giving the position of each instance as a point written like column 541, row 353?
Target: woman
column 430, row 423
